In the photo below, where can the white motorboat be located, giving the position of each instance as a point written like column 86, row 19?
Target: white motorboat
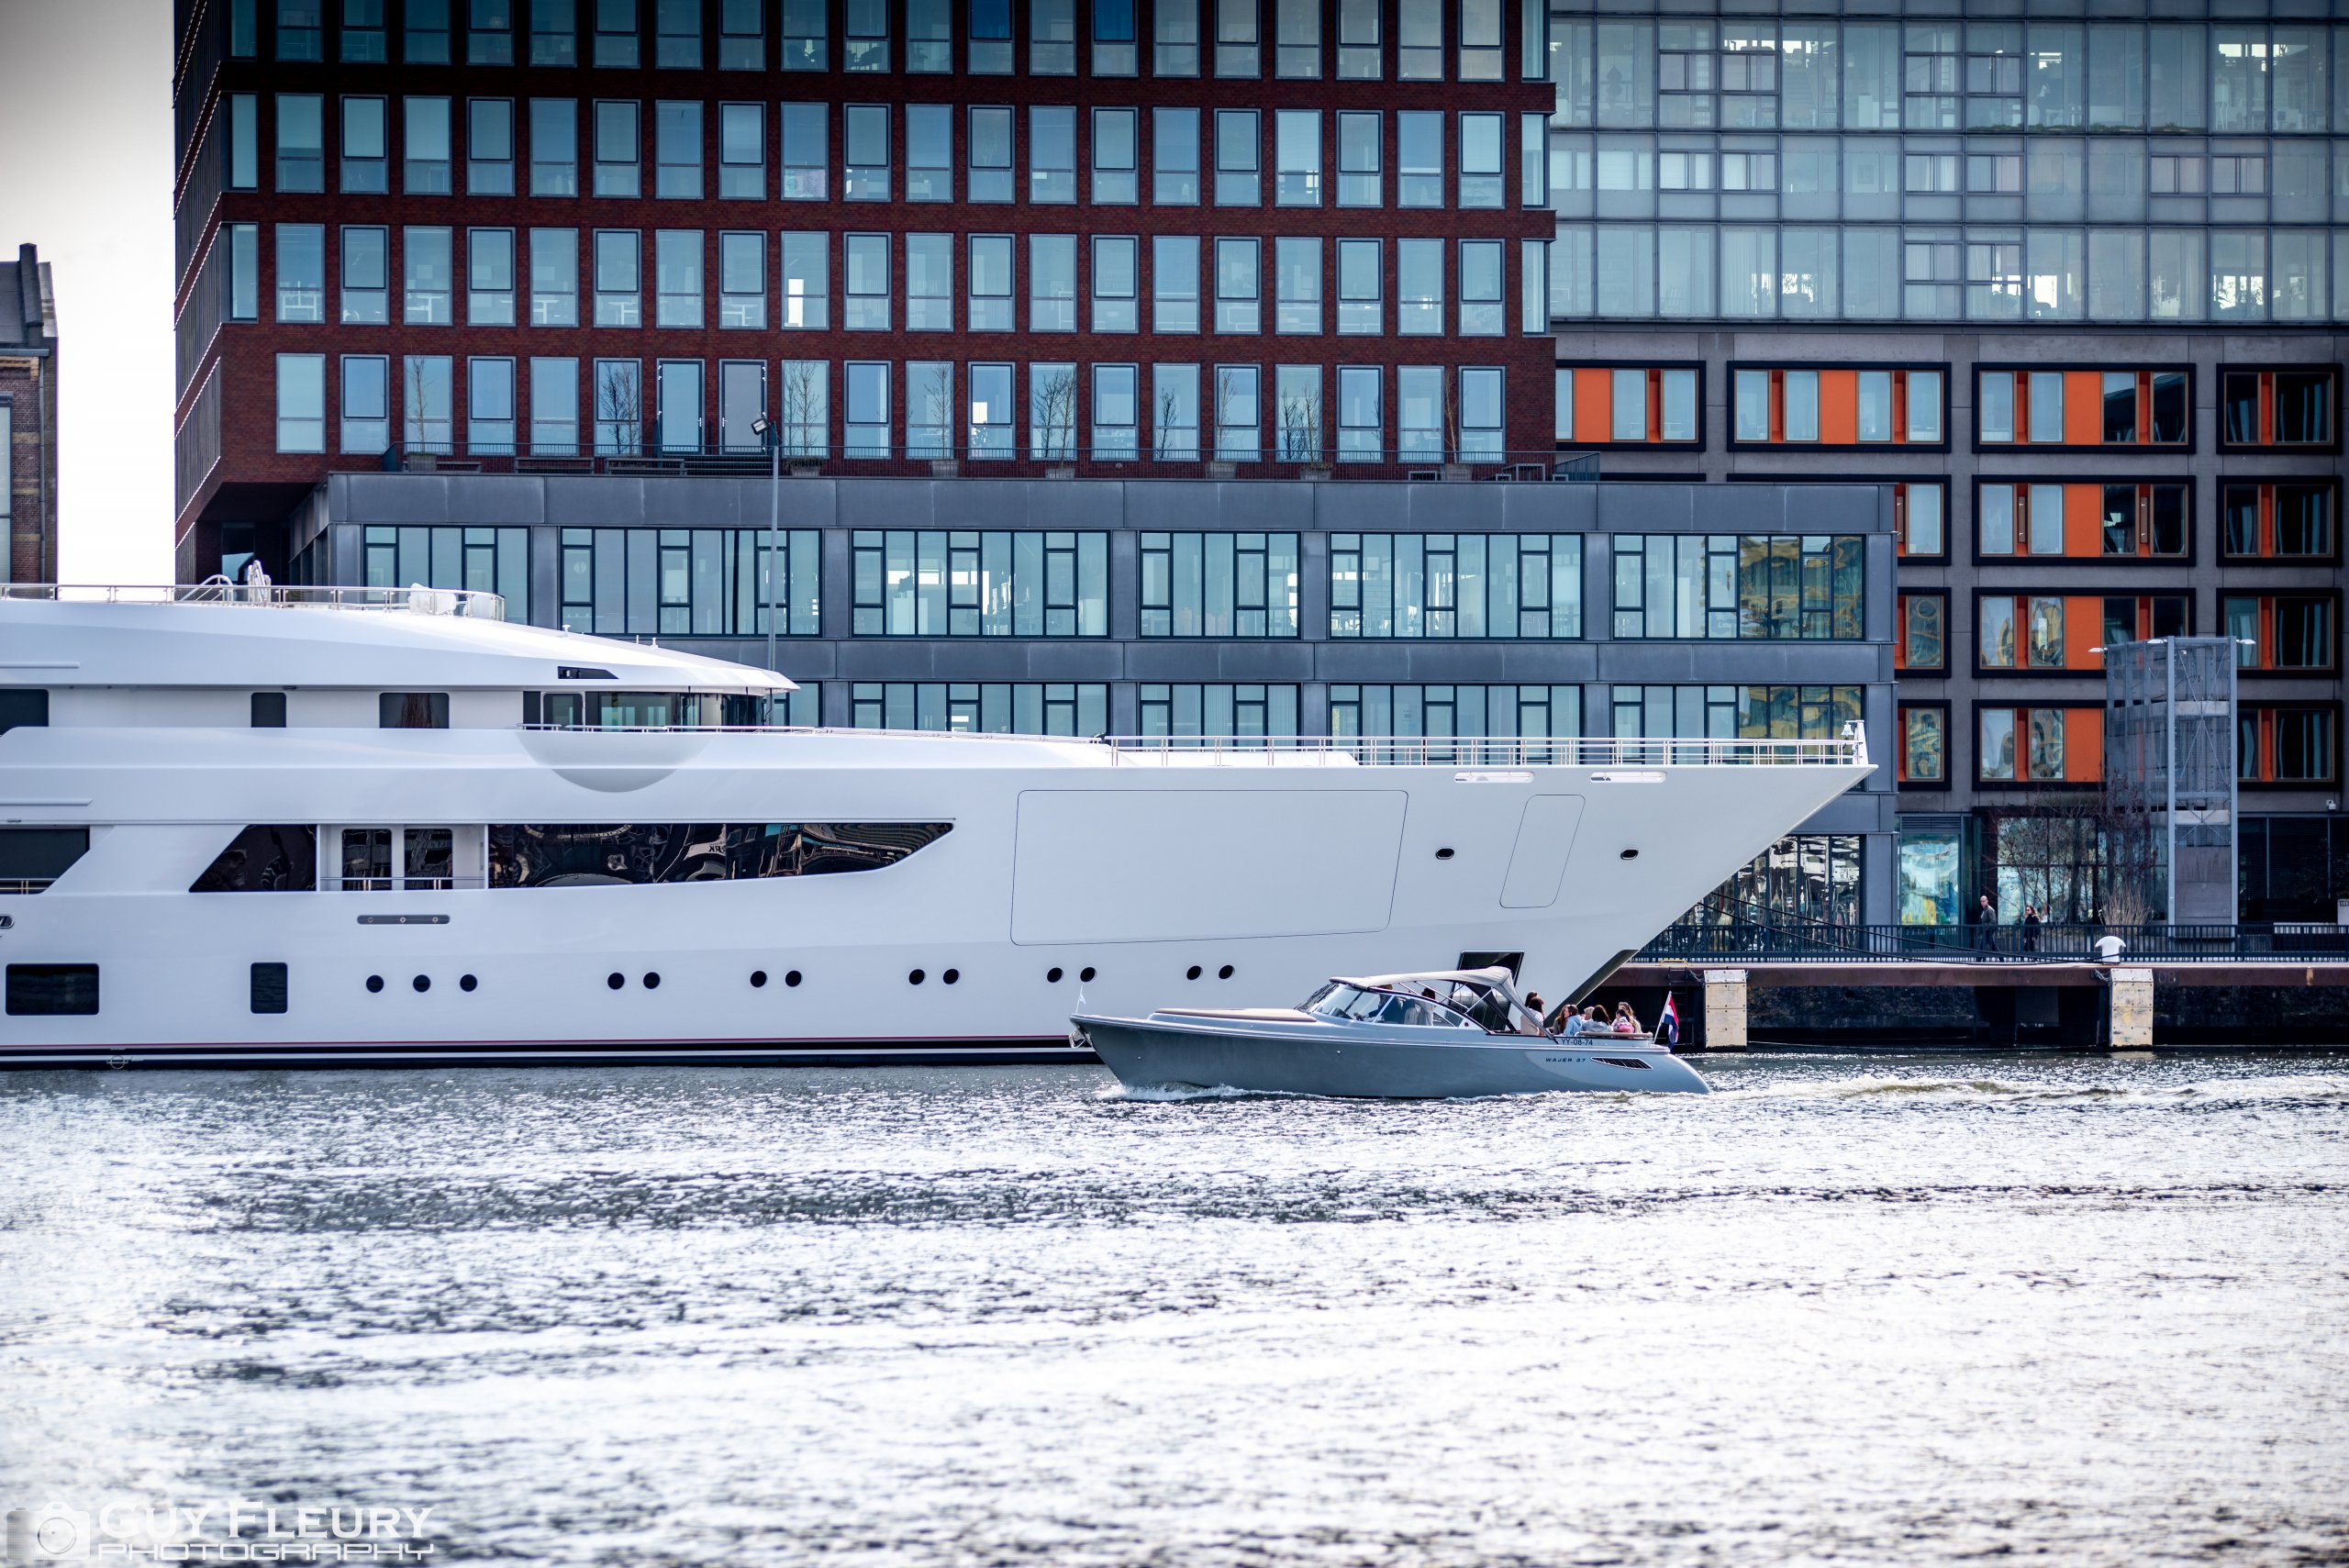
column 1439, row 1034
column 324, row 825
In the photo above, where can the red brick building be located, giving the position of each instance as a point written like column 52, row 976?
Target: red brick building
column 28, row 418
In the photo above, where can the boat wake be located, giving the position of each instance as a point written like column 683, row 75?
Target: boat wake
column 2304, row 1087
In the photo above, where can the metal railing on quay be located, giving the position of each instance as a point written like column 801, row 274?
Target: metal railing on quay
column 1793, row 940
column 217, row 590
column 1057, row 460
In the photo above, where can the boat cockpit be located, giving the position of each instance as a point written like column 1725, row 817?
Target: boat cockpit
column 1482, row 999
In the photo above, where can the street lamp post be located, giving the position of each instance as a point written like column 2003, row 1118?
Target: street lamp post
column 766, row 431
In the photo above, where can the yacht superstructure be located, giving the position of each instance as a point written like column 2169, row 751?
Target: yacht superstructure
column 309, row 825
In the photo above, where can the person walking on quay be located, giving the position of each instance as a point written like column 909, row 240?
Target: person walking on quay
column 2030, row 928
column 1986, row 917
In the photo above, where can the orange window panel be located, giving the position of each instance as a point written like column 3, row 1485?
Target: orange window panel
column 2083, row 409
column 1839, row 407
column 2082, row 520
column 1594, row 405
column 2083, row 745
column 2083, row 631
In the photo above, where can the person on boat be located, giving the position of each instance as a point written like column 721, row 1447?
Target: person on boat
column 1626, row 1021
column 1533, row 1025
column 1573, row 1024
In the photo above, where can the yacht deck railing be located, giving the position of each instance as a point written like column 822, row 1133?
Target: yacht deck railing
column 217, row 590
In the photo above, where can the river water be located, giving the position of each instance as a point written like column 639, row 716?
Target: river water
column 1852, row 1310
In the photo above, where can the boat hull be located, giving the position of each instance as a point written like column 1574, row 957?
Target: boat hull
column 1146, row 1054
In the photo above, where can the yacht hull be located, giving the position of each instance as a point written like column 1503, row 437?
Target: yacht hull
column 1321, row 1059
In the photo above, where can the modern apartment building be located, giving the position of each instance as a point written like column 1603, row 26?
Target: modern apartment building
column 598, row 250
column 28, row 418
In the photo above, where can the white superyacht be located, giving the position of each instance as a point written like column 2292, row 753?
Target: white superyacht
column 314, row 826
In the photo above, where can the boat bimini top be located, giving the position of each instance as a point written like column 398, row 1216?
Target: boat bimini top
column 1466, row 998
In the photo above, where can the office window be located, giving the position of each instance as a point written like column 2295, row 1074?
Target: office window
column 677, row 406
column 930, row 282
column 1480, row 157
column 1361, row 430
column 1115, row 275
column 1066, row 709
column 1174, row 37
column 301, row 142
column 867, row 308
column 301, row 403
column 1456, row 585
column 1220, row 584
column 1051, row 282
column 1116, row 413
column 1924, row 744
column 741, row 152
column 742, row 280
column 1296, row 290
column 742, row 35
column 1175, row 157
column 804, row 415
column 301, row 33
column 427, row 38
column 1222, row 711
column 366, row 403
column 1360, row 177
column 2295, row 632
column 430, row 276
column 1419, row 39
column 1919, row 509
column 1418, row 158
column 1483, row 310
column 988, row 178
column 676, row 35
column 932, row 429
column 806, row 35
column 1361, row 288
column 1418, row 414
column 972, row 582
column 240, row 291
column 1174, row 282
column 929, row 152
column 1836, row 407
column 489, row 147
column 426, row 168
column 1481, row 424
column 554, row 32
column 1296, row 38
column 868, row 153
column 1052, row 37
column 616, row 173
column 1921, row 641
column 1445, row 713
column 1296, row 161
column 244, row 144
column 1115, row 179
column 1175, row 412
column 616, row 34
column 676, row 152
column 990, row 269
column 1419, row 287
column 1236, row 407
column 742, row 404
column 929, row 38
column 301, row 272
column 1051, row 155
column 677, row 277
column 1235, row 38
column 489, row 277
column 618, row 278
column 428, row 403
column 1237, row 285
column 554, row 146
column 807, row 283
column 554, row 407
column 806, row 155
column 2019, row 632
column 1053, row 411
column 366, row 167
column 366, row 276
column 1480, row 40
column 2279, row 408
column 1747, row 586
column 1114, row 52
column 2283, row 521
column 554, row 277
column 867, row 426
column 489, row 407
column 362, row 32
column 1298, row 414
column 990, row 41
column 2082, row 521
column 1237, row 177
column 677, row 582
column 1361, row 50
column 992, row 412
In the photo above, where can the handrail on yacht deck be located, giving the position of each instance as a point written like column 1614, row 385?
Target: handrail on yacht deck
column 217, row 590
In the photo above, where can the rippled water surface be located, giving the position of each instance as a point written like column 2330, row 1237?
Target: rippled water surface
column 1849, row 1310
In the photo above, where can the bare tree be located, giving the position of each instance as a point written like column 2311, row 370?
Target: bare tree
column 1051, row 415
column 1451, row 452
column 1165, row 445
column 1301, row 427
column 939, row 401
column 1227, row 401
column 422, row 424
column 805, row 416
column 619, row 404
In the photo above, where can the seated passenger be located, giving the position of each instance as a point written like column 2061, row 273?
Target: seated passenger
column 1573, row 1024
column 1626, row 1021
column 1536, row 1013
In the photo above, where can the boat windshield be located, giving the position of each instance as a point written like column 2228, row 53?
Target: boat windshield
column 1359, row 1005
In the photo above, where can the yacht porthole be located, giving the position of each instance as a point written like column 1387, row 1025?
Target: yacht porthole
column 616, row 980
column 952, row 975
column 466, row 982
column 651, row 981
column 374, row 982
column 758, row 978
column 1051, row 977
column 1085, row 973
column 1443, row 854
column 1224, row 973
column 792, row 978
column 422, row 983
column 915, row 978
column 1192, row 973
column 1629, row 855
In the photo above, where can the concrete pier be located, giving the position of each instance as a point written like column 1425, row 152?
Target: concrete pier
column 2131, row 1003
column 1724, row 1009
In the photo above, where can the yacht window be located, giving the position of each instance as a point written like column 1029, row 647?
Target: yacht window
column 269, row 710
column 266, row 859
column 269, row 988
column 32, row 857
column 367, row 860
column 52, row 990
column 413, row 711
column 429, row 857
column 647, row 710
column 23, row 710
column 592, row 855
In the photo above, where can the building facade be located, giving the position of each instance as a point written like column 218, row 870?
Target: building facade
column 28, row 418
column 2066, row 284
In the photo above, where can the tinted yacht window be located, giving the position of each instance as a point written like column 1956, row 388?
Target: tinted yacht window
column 52, row 990
column 23, row 710
column 32, row 857
column 413, row 711
column 591, row 855
column 265, row 858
